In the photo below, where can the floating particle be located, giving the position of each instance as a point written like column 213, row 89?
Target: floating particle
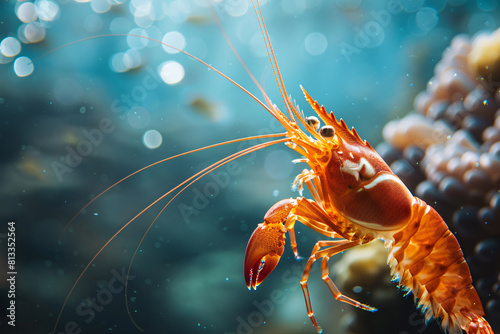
column 205, row 107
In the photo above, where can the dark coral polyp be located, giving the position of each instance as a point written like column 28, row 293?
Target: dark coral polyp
column 459, row 174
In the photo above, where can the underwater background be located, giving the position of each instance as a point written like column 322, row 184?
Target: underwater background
column 78, row 118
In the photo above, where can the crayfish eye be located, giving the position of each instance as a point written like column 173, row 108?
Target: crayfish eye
column 327, row 132
column 313, row 122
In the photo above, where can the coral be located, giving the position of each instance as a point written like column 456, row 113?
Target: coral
column 448, row 153
column 484, row 57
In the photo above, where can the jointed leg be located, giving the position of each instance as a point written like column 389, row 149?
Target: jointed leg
column 293, row 242
column 336, row 292
column 266, row 246
column 316, row 226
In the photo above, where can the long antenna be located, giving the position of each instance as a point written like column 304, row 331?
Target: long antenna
column 161, row 161
column 193, row 179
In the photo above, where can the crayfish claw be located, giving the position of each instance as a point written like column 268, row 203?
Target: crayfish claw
column 264, row 250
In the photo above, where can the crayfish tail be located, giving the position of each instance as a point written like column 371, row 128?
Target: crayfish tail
column 425, row 257
column 477, row 325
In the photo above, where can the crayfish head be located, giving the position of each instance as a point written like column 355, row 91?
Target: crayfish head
column 264, row 250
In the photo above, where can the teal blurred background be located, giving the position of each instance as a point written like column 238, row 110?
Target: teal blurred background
column 87, row 115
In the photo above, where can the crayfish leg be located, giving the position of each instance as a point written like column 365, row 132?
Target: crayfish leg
column 334, row 247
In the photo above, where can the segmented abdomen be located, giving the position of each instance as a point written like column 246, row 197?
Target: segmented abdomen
column 426, row 258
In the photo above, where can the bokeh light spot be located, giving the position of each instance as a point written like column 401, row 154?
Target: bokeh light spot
column 427, row 19
column 487, row 5
column 93, row 23
column 10, row 47
column 26, row 12
column 137, row 42
column 100, row 6
column 117, row 63
column 171, row 72
column 33, row 32
column 236, row 8
column 47, row 10
column 175, row 39
column 120, row 25
column 5, row 60
column 132, row 59
column 411, row 6
column 152, row 139
column 315, row 43
column 23, row 66
column 140, row 8
column 348, row 4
